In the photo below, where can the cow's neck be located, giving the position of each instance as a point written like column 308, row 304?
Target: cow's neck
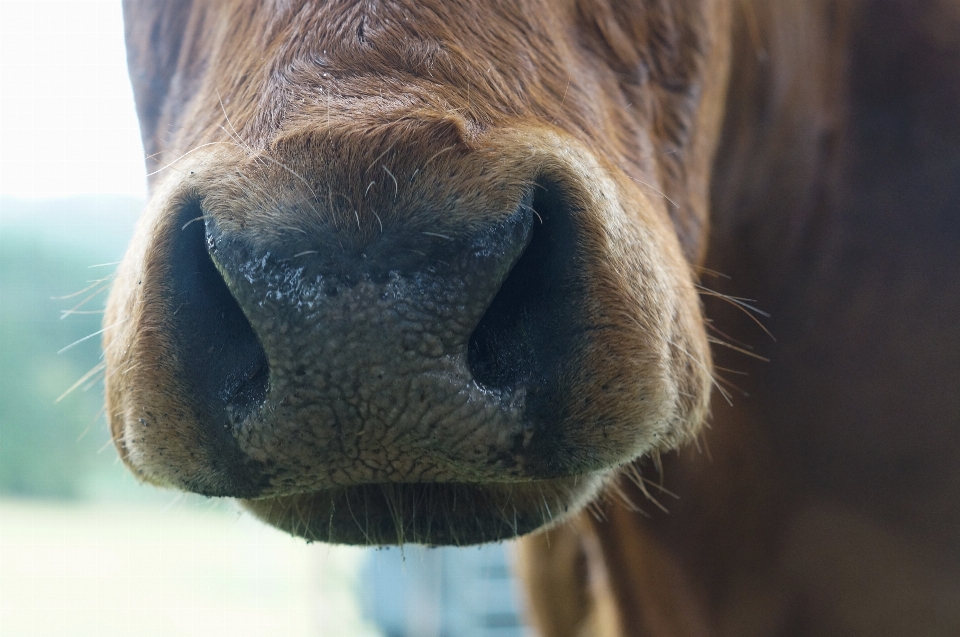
column 787, row 91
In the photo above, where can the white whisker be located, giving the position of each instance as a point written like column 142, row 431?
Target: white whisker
column 88, row 337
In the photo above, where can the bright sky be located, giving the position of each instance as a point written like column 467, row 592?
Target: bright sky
column 67, row 121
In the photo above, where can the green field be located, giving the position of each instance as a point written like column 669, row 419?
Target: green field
column 50, row 251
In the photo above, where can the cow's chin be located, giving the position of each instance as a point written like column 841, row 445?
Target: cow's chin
column 427, row 513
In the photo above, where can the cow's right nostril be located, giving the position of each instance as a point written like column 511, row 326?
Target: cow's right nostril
column 220, row 354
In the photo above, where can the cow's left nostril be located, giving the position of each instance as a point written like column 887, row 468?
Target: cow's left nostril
column 527, row 328
column 219, row 350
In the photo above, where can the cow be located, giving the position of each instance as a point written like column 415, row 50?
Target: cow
column 670, row 288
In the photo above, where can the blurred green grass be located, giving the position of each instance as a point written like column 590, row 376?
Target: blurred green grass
column 51, row 448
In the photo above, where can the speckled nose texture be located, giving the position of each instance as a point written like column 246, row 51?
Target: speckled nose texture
column 357, row 366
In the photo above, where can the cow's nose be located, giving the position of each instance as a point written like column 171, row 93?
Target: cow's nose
column 331, row 319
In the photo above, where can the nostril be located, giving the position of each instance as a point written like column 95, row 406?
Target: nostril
column 527, row 328
column 221, row 357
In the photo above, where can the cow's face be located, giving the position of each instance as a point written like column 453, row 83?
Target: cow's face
column 414, row 270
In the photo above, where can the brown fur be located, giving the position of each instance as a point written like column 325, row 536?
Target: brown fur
column 805, row 150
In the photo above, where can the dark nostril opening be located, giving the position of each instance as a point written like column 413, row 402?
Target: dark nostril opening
column 222, row 359
column 526, row 331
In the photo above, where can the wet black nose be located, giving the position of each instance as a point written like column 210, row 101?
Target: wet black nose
column 332, row 326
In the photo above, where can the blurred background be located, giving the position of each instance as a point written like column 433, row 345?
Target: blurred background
column 84, row 549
